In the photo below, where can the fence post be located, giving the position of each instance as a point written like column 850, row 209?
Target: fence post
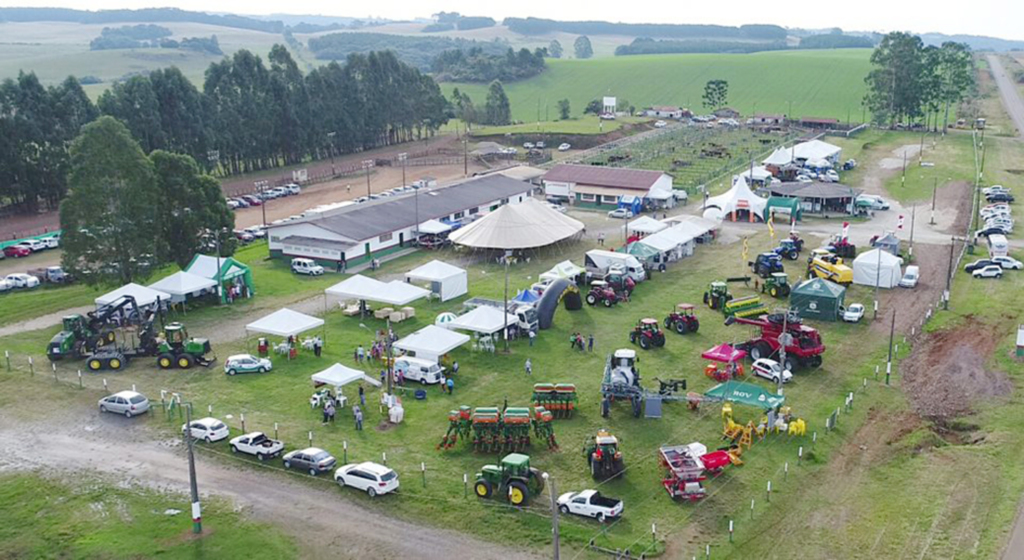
column 785, row 471
column 730, row 530
column 465, row 485
column 769, row 498
column 384, row 457
column 105, row 389
column 31, row 368
column 209, row 408
column 53, row 366
column 751, row 509
column 242, row 417
column 800, row 455
column 311, row 438
column 79, row 379
column 7, row 356
column 133, row 388
column 275, row 433
column 423, row 469
column 344, row 448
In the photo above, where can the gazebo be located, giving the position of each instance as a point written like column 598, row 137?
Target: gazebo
column 483, row 319
column 144, row 297
column 446, row 281
column 223, row 270
column 431, row 342
column 287, row 324
column 182, row 285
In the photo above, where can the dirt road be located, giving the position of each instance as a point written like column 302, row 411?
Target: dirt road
column 1012, row 102
column 322, row 520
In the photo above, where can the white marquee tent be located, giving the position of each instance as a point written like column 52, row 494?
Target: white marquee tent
column 181, row 285
column 144, row 296
column 781, row 156
column 338, row 376
column 433, row 227
column 284, row 323
column 878, row 266
column 525, row 225
column 362, row 288
column 816, row 149
column 646, row 225
column 431, row 342
column 447, row 281
column 739, row 197
column 758, row 173
column 483, row 319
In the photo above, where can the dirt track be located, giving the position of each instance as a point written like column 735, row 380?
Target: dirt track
column 1012, row 102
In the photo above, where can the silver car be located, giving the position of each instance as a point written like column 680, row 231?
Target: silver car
column 128, row 403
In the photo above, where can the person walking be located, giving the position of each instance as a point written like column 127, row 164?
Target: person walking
column 529, row 367
column 600, row 239
column 590, row 343
column 451, row 385
column 318, row 346
column 327, row 404
column 455, row 367
column 362, row 396
column 359, row 419
column 330, row 411
column 444, row 383
column 360, row 353
column 532, row 335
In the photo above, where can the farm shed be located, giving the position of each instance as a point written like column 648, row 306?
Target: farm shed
column 226, row 271
column 817, row 299
column 877, row 266
column 818, row 198
column 144, row 297
column 431, row 343
column 447, row 281
column 518, row 226
column 600, row 186
column 738, row 203
column 183, row 285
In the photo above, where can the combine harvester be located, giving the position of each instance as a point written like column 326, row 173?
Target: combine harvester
column 803, row 344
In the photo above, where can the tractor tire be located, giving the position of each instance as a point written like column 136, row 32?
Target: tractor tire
column 606, row 406
column 785, row 291
column 594, row 468
column 659, row 340
column 644, row 342
column 618, row 467
column 636, row 407
column 757, row 352
column 681, row 327
column 116, row 362
column 165, row 361
column 95, row 364
column 815, row 362
column 538, row 477
column 707, row 300
column 483, row 489
column 632, row 337
column 185, row 361
column 109, row 337
column 792, row 255
column 518, row 493
column 608, row 302
column 591, row 299
column 790, row 364
column 694, row 325
column 668, row 322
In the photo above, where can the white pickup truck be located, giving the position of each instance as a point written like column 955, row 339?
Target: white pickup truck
column 258, row 444
column 590, row 503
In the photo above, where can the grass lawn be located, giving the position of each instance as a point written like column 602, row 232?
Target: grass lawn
column 953, row 159
column 44, row 518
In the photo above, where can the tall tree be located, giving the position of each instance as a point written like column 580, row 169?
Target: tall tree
column 563, row 109
column 109, row 217
column 555, row 49
column 956, row 71
column 497, row 109
column 583, row 47
column 716, row 94
column 897, row 83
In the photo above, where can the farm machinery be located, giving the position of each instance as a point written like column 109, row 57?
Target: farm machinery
column 603, row 456
column 841, row 246
column 176, row 347
column 802, row 343
column 719, row 297
column 622, row 382
column 777, row 285
column 647, row 334
column 558, row 398
column 686, row 467
column 766, row 264
column 790, row 247
column 82, row 335
column 601, row 292
column 682, row 319
column 823, row 264
column 493, row 430
column 513, row 478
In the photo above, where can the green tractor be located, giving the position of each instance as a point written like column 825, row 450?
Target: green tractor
column 513, row 478
column 176, row 348
column 604, row 457
column 777, row 285
column 75, row 339
column 717, row 295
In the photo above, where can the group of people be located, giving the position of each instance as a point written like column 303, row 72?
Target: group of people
column 377, row 349
column 330, row 409
column 576, row 341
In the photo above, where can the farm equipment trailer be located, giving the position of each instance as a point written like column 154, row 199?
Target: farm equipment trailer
column 719, row 297
column 494, row 430
column 802, row 343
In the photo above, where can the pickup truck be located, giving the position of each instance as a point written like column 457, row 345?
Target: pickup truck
column 590, row 503
column 258, row 444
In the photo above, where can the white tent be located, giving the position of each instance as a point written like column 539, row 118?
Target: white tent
column 518, row 226
column 447, row 281
column 676, row 241
column 758, row 173
column 816, row 149
column 338, row 376
column 183, row 284
column 781, row 156
column 285, row 322
column 433, row 227
column 739, row 197
column 361, row 288
column 143, row 296
column 564, row 269
column 878, row 266
column 431, row 342
column 646, row 225
column 483, row 319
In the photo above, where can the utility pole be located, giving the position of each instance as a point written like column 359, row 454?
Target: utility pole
column 949, row 274
column 261, row 187
column 391, row 361
column 892, row 334
column 878, row 278
column 508, row 255
column 554, row 514
column 197, row 515
column 913, row 216
column 935, row 188
column 465, row 156
column 331, row 136
column 367, row 164
column 402, row 157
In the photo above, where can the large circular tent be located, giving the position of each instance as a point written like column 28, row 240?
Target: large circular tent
column 527, row 225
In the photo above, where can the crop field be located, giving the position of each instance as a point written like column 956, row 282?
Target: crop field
column 826, row 84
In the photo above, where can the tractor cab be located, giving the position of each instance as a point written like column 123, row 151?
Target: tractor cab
column 647, row 333
column 777, row 285
column 603, row 455
column 175, row 335
column 789, row 248
column 624, row 358
column 767, row 263
column 513, row 479
column 73, row 323
column 717, row 294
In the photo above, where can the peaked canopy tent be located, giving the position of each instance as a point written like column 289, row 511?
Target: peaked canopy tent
column 877, row 266
column 564, row 269
column 144, row 297
column 447, row 281
column 359, row 287
column 888, row 242
column 483, row 319
column 181, row 285
column 433, row 227
column 758, row 175
column 781, row 156
column 338, row 376
column 736, row 202
column 818, row 299
column 526, row 296
column 527, row 225
column 744, row 393
column 284, row 323
column 431, row 342
column 223, row 270
column 646, row 225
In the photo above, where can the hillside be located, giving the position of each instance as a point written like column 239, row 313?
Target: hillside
column 817, row 83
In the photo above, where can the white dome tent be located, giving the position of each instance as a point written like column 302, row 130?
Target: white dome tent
column 735, row 201
column 877, row 266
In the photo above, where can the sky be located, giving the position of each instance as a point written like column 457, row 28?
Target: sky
column 995, row 18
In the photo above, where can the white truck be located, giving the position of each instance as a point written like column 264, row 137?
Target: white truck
column 526, row 313
column 590, row 503
column 258, row 444
column 416, row 369
column 599, row 262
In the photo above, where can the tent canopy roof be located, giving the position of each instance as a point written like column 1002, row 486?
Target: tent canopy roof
column 724, row 353
column 526, row 296
column 432, row 340
column 647, row 224
column 206, row 266
column 564, row 269
column 483, row 319
column 338, row 375
column 819, row 287
column 143, row 295
column 887, row 259
column 183, row 283
column 434, row 271
column 368, row 289
column 744, row 393
column 758, row 173
column 815, row 149
column 433, row 227
column 285, row 322
column 739, row 197
column 518, row 226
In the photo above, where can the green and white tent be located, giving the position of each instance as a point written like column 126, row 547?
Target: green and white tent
column 744, row 393
column 818, row 299
column 226, row 271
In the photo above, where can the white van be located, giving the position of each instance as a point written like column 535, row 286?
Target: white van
column 306, row 266
column 416, row 369
column 910, row 277
column 998, row 246
column 598, row 262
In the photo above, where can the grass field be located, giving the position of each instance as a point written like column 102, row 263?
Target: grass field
column 587, row 124
column 816, row 83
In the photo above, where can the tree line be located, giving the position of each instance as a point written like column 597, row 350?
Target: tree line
column 540, row 26
column 646, row 45
column 910, row 81
column 250, row 115
column 474, row 65
column 420, row 51
column 448, row 21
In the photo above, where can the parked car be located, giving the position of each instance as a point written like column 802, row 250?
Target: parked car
column 242, row 203
column 307, row 267
column 557, row 208
column 910, row 276
column 418, row 369
column 1000, row 197
column 1007, row 263
column 990, row 271
column 540, row 145
column 978, row 264
column 620, row 213
column 771, row 370
column 590, row 503
column 804, row 179
column 527, row 145
column 233, row 204
column 128, row 403
column 564, row 147
column 854, row 313
column 660, row 124
column 34, row 245
column 246, row 363
column 253, row 200
column 830, row 176
column 876, row 202
column 258, row 444
column 52, row 242
column 293, row 188
column 22, row 280
column 994, row 189
column 849, row 164
column 208, row 429
column 369, row 477
column 5, row 285
column 985, row 232
column 243, row 236
column 311, row 459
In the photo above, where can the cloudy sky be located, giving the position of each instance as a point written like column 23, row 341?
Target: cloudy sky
column 997, row 18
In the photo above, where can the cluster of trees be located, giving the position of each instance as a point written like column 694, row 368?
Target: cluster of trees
column 474, row 65
column 596, row 107
column 836, row 41
column 909, row 81
column 539, row 26
column 496, row 110
column 130, row 37
column 646, row 45
column 419, row 51
column 716, row 94
column 582, row 47
column 448, row 21
column 127, row 212
column 555, row 49
column 208, row 45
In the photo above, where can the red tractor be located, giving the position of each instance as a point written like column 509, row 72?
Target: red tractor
column 682, row 320
column 600, row 291
column 647, row 334
column 803, row 343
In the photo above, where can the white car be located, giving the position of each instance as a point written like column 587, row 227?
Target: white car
column 306, row 266
column 128, row 403
column 292, row 188
column 876, row 202
column 771, row 370
column 540, row 145
column 256, row 231
column 660, row 124
column 995, row 189
column 620, row 213
column 557, row 208
column 564, row 147
column 5, row 285
column 990, row 271
column 208, row 429
column 1008, row 263
column 22, row 280
column 854, row 313
column 258, row 444
column 34, row 245
column 369, row 477
column 528, row 145
column 804, row 179
column 590, row 503
column 52, row 242
column 233, row 204
column 246, row 363
column 830, row 176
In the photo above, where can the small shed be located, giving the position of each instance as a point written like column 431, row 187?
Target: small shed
column 888, row 242
column 447, row 281
column 818, row 299
column 226, row 271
